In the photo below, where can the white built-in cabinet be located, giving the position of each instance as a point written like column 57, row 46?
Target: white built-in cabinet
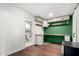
column 75, row 33
column 39, row 31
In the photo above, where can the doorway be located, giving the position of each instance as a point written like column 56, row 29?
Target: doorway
column 28, row 31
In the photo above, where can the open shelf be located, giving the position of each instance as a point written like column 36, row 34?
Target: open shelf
column 38, row 21
column 55, row 34
column 57, row 21
column 39, row 34
column 38, row 24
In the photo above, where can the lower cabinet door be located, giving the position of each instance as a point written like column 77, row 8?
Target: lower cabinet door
column 39, row 39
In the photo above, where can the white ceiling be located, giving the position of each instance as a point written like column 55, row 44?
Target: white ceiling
column 43, row 9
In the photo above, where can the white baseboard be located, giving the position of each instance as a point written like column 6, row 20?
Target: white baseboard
column 29, row 44
column 16, row 50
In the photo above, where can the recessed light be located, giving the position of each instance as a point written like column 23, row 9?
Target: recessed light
column 50, row 14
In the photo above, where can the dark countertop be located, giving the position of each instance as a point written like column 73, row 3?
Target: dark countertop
column 71, row 44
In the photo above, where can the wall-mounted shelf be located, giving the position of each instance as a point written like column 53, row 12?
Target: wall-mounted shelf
column 55, row 34
column 58, row 24
column 38, row 21
column 58, row 21
column 39, row 35
column 38, row 24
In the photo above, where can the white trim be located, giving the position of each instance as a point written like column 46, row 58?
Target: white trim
column 29, row 44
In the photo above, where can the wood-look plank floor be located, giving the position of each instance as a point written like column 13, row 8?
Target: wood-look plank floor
column 41, row 50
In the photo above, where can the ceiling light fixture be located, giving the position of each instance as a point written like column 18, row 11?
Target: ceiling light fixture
column 50, row 14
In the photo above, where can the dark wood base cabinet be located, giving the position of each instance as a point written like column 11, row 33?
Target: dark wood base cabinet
column 71, row 49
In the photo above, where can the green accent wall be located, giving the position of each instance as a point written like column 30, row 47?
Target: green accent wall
column 65, row 29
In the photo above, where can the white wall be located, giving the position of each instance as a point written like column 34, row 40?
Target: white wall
column 0, row 28
column 12, row 30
